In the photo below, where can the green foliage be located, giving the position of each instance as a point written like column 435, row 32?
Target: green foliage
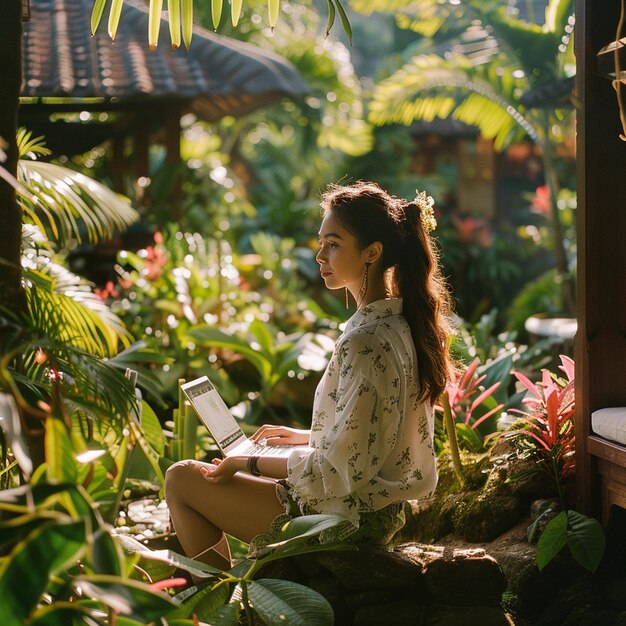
column 181, row 18
column 581, row 534
column 66, row 204
column 190, row 293
column 480, row 77
column 223, row 595
column 59, row 528
column 273, row 357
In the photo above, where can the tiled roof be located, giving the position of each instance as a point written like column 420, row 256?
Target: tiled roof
column 218, row 76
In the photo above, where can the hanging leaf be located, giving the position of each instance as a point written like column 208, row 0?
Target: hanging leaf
column 235, row 11
column 273, row 7
column 331, row 16
column 154, row 23
column 96, row 14
column 345, row 22
column 173, row 7
column 114, row 17
column 187, row 6
column 216, row 12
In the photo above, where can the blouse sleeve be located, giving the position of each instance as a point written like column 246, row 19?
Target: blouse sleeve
column 366, row 423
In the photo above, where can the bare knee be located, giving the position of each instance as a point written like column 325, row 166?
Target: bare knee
column 177, row 478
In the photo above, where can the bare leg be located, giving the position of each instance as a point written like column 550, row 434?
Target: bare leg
column 202, row 512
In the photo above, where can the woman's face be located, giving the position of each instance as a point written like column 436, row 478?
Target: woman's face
column 342, row 263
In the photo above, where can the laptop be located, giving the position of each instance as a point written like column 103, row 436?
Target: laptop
column 214, row 414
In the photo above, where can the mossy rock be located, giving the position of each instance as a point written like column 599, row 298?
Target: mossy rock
column 481, row 517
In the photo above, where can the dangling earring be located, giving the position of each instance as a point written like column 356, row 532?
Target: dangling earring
column 363, row 289
column 347, row 301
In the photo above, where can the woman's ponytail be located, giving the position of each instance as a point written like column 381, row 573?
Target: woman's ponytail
column 426, row 300
column 411, row 269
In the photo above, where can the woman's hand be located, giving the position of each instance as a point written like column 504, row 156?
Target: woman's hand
column 222, row 470
column 281, row 436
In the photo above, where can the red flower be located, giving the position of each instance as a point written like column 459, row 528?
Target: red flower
column 541, row 201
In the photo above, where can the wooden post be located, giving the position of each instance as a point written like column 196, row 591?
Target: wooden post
column 172, row 146
column 141, row 154
column 11, row 293
column 601, row 276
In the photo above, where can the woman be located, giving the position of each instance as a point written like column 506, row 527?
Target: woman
column 371, row 437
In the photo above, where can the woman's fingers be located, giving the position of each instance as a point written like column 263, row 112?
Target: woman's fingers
column 266, row 431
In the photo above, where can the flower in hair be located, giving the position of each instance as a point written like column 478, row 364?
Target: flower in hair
column 427, row 215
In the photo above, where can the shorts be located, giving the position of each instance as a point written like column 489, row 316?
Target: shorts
column 375, row 527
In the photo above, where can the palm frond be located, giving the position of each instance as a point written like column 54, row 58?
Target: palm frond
column 559, row 14
column 367, row 7
column 63, row 305
column 29, row 146
column 429, row 19
column 69, row 205
column 534, row 48
column 89, row 384
column 66, row 320
column 429, row 87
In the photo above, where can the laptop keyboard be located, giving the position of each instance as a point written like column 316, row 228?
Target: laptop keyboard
column 265, row 450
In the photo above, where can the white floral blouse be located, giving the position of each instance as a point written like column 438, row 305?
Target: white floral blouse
column 372, row 439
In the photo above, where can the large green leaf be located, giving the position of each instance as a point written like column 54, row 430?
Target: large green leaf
column 60, row 613
column 553, row 539
column 227, row 615
column 25, row 572
column 309, row 525
column 106, row 557
column 211, row 336
column 59, row 452
column 205, row 602
column 128, row 597
column 152, row 430
column 280, row 602
column 17, row 528
column 585, row 539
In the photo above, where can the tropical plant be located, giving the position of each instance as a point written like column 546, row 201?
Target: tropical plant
column 82, row 575
column 187, row 281
column 548, row 427
column 181, row 18
column 482, row 339
column 545, row 434
column 55, row 349
column 494, row 57
column 274, row 358
column 65, row 204
column 225, row 596
column 463, row 397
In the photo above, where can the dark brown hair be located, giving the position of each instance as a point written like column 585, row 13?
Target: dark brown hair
column 411, row 267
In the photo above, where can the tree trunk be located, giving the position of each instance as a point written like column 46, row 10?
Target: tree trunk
column 11, row 293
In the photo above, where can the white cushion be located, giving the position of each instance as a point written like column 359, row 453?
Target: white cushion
column 610, row 423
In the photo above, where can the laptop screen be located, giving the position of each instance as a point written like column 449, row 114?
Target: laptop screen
column 213, row 412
